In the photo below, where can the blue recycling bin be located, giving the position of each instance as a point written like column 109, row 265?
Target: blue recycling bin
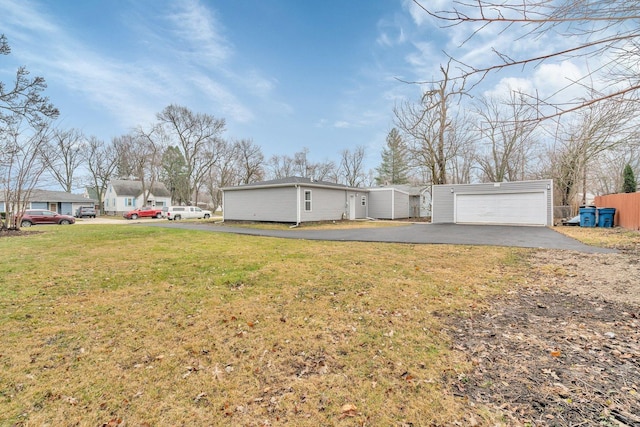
column 605, row 217
column 587, row 217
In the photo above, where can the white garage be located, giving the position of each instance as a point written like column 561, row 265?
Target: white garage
column 505, row 203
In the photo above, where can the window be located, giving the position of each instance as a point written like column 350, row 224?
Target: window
column 363, row 201
column 307, row 200
column 128, row 201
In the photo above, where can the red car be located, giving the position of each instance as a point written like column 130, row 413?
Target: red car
column 146, row 212
column 43, row 216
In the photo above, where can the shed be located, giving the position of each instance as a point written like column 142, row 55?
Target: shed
column 293, row 200
column 497, row 203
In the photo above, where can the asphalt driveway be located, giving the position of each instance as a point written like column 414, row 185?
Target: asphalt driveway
column 455, row 234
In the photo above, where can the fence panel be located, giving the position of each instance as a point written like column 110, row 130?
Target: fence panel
column 627, row 208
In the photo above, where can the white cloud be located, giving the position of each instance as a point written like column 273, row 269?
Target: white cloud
column 557, row 80
column 222, row 98
column 196, row 25
column 510, row 84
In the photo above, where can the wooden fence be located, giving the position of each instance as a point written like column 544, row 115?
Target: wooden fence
column 627, row 208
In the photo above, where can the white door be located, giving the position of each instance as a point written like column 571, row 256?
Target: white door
column 528, row 208
column 352, row 207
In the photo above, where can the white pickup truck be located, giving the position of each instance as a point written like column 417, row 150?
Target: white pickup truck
column 184, row 212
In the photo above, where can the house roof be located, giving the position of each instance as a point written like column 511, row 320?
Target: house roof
column 125, row 187
column 291, row 181
column 38, row 195
column 92, row 192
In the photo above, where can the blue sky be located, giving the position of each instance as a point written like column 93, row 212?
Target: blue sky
column 287, row 74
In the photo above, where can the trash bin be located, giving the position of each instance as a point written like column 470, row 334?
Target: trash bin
column 587, row 217
column 605, row 217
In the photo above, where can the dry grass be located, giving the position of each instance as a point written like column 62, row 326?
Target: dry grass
column 616, row 238
column 103, row 325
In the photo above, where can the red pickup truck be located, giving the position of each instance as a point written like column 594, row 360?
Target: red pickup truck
column 145, row 212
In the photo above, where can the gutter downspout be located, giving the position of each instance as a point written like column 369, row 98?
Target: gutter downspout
column 298, row 217
column 223, row 205
column 393, row 203
column 345, row 211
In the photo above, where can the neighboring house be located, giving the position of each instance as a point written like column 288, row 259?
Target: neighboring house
column 124, row 195
column 91, row 193
column 499, row 203
column 293, row 200
column 56, row 201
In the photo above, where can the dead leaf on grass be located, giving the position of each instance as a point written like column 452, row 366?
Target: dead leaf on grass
column 114, row 422
column 348, row 410
column 70, row 400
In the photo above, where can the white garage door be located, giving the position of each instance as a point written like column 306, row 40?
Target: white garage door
column 506, row 208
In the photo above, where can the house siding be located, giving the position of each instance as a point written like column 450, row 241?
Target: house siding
column 380, row 203
column 443, row 196
column 400, row 204
column 116, row 204
column 57, row 201
column 331, row 204
column 388, row 203
column 283, row 200
column 261, row 204
column 287, row 204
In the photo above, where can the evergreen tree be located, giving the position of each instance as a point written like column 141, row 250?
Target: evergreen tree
column 395, row 165
column 174, row 175
column 629, row 184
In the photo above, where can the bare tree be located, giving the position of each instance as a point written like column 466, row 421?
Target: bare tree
column 506, row 140
column 23, row 99
column 24, row 131
column 301, row 165
column 352, row 167
column 432, row 127
column 140, row 158
column 606, row 176
column 462, row 166
column 101, row 160
column 325, row 171
column 280, row 166
column 565, row 167
column 250, row 161
column 283, row 166
column 63, row 156
column 223, row 174
column 597, row 129
column 605, row 29
column 198, row 137
column 21, row 166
